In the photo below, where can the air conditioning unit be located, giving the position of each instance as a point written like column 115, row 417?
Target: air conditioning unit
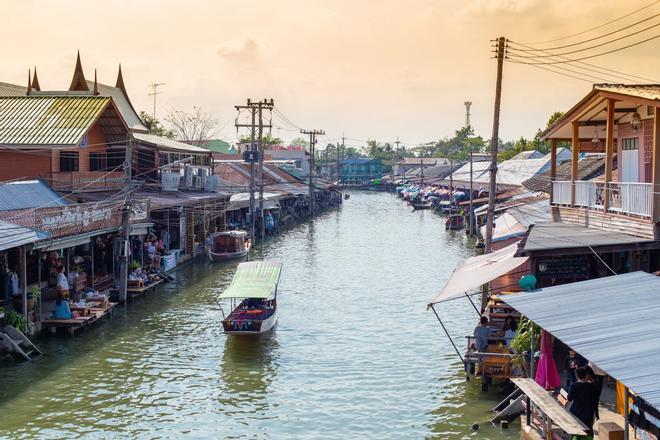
column 188, row 176
column 198, row 182
column 211, row 183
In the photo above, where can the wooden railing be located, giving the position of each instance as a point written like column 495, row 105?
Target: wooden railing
column 630, row 198
column 87, row 180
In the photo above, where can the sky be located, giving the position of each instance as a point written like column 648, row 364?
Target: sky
column 377, row 69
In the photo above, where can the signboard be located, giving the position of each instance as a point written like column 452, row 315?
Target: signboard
column 251, row 156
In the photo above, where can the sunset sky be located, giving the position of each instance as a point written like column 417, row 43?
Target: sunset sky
column 371, row 69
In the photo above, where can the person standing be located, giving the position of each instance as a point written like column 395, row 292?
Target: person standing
column 583, row 397
column 62, row 282
column 572, row 363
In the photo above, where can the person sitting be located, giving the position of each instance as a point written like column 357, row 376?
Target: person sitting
column 62, row 310
column 134, row 276
column 482, row 334
column 510, row 330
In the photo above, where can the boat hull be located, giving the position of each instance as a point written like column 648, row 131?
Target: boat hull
column 421, row 206
column 255, row 328
column 225, row 256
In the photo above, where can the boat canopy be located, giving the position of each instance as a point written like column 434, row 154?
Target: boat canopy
column 231, row 233
column 255, row 279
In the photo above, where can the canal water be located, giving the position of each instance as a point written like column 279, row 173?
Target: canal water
column 354, row 355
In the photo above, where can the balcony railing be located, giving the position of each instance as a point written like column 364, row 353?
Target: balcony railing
column 629, row 198
column 87, row 180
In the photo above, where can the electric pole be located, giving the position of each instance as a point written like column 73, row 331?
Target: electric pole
column 255, row 155
column 154, row 93
column 468, row 104
column 125, row 223
column 312, row 142
column 499, row 54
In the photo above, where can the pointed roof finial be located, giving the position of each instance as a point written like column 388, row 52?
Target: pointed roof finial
column 29, row 87
column 120, row 82
column 96, row 85
column 35, row 81
column 78, row 82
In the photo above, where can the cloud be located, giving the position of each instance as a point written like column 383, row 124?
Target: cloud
column 246, row 51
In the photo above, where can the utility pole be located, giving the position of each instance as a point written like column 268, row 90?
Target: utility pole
column 422, row 164
column 154, row 93
column 261, row 105
column 312, row 142
column 468, row 104
column 499, row 54
column 255, row 154
column 125, row 223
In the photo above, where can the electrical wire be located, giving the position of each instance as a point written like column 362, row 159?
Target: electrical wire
column 599, row 26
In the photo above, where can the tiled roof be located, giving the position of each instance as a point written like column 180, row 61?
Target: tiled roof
column 645, row 91
column 48, row 120
column 7, row 89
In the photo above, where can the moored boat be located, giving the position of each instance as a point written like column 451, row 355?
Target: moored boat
column 255, row 285
column 421, row 205
column 454, row 222
column 227, row 245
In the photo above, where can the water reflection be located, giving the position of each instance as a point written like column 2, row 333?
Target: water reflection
column 248, row 367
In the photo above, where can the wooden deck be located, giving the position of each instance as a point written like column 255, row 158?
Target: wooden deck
column 134, row 292
column 90, row 316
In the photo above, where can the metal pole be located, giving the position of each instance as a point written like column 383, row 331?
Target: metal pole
column 473, row 304
column 447, row 333
column 261, row 175
column 494, row 145
column 471, row 229
column 252, row 203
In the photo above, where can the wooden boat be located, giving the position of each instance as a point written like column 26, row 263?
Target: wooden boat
column 255, row 285
column 227, row 245
column 454, row 222
column 422, row 205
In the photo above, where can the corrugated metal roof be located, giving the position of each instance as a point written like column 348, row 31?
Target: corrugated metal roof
column 611, row 321
column 28, row 194
column 169, row 144
column 12, row 235
column 547, row 236
column 48, row 120
column 588, row 168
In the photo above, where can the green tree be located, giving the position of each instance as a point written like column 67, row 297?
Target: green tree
column 154, row 126
column 299, row 141
column 268, row 140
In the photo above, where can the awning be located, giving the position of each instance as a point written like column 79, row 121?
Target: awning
column 242, row 200
column 611, row 321
column 548, row 236
column 480, row 270
column 12, row 235
column 256, row 279
column 140, row 228
column 71, row 241
column 506, row 226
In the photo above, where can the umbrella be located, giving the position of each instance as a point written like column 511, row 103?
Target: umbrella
column 546, row 373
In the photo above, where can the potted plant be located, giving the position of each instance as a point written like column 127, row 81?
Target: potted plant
column 17, row 301
column 134, row 265
column 35, row 290
column 521, row 344
column 16, row 320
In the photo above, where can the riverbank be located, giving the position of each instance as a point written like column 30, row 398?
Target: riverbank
column 355, row 352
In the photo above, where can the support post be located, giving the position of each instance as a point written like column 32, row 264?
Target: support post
column 447, row 333
column 553, row 177
column 609, row 150
column 252, row 179
column 531, row 349
column 494, row 142
column 123, row 253
column 23, row 255
column 626, row 410
column 575, row 151
column 656, row 167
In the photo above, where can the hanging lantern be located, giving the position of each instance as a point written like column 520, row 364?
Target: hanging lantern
column 636, row 122
column 595, row 140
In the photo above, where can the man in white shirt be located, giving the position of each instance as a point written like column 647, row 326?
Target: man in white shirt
column 62, row 282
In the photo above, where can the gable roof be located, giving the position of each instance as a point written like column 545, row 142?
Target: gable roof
column 49, row 120
column 7, row 89
column 123, row 105
column 529, row 154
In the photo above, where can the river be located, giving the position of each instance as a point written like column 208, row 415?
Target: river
column 355, row 353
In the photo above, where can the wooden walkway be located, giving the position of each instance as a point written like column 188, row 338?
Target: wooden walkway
column 72, row 325
column 134, row 292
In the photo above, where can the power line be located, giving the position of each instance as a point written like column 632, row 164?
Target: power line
column 599, row 26
column 590, row 47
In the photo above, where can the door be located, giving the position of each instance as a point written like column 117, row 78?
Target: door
column 629, row 160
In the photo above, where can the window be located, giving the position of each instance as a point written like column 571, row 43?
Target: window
column 68, row 161
column 115, row 158
column 630, row 144
column 98, row 161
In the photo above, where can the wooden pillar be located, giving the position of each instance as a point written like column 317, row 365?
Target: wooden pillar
column 23, row 277
column 553, row 177
column 609, row 151
column 575, row 152
column 656, row 166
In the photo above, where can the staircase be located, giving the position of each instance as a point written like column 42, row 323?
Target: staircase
column 17, row 344
column 164, row 275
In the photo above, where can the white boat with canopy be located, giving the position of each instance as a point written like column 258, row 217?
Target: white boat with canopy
column 255, row 285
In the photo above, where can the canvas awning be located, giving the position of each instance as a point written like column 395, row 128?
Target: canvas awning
column 506, row 226
column 611, row 321
column 256, row 279
column 479, row 270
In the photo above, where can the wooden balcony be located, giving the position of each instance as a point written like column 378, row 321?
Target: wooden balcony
column 629, row 208
column 87, row 181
